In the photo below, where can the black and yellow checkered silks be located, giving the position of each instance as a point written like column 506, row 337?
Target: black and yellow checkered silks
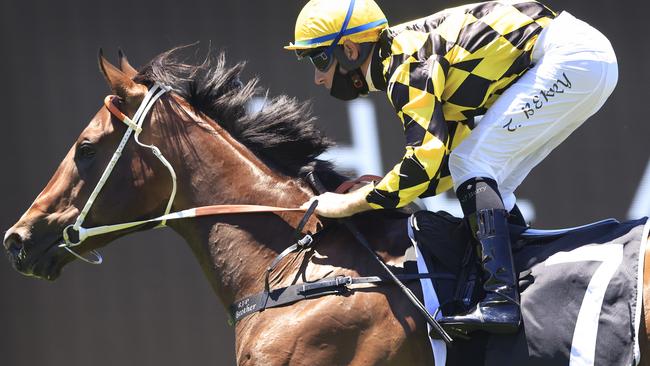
column 443, row 70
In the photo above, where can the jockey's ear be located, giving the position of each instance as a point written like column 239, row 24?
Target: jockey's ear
column 125, row 66
column 121, row 84
column 351, row 50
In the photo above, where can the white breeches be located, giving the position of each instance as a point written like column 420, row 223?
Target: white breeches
column 575, row 71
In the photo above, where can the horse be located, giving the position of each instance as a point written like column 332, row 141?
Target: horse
column 223, row 154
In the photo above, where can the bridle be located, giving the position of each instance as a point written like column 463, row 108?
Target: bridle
column 135, row 125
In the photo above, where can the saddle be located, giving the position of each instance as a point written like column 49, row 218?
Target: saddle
column 580, row 287
column 580, row 290
column 446, row 240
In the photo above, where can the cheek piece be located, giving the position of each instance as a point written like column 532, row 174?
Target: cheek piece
column 349, row 86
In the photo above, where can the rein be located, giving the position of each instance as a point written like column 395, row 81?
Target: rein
column 135, row 125
column 246, row 306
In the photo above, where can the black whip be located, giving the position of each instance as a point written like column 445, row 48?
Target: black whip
column 435, row 326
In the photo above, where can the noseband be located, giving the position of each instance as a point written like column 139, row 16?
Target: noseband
column 135, row 124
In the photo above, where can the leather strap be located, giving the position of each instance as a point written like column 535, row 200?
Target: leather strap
column 327, row 286
column 227, row 209
column 110, row 105
column 83, row 233
column 347, row 186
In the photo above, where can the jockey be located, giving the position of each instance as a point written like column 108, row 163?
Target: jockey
column 533, row 75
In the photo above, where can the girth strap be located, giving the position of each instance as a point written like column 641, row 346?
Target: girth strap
column 327, row 286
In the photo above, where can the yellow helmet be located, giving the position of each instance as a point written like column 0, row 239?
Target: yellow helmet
column 326, row 22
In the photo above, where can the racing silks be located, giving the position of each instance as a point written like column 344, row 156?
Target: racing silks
column 441, row 71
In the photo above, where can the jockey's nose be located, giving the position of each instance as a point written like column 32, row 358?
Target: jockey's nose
column 319, row 77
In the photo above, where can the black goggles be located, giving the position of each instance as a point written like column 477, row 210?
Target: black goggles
column 321, row 58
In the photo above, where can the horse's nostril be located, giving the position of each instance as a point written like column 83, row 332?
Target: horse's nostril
column 13, row 242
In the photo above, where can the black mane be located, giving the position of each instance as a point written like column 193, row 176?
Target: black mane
column 282, row 134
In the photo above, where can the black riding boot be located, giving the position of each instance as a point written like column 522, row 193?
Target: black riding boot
column 499, row 311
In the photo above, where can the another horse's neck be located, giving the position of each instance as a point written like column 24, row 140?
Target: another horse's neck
column 233, row 250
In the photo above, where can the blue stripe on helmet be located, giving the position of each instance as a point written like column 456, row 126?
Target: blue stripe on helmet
column 328, row 37
column 343, row 27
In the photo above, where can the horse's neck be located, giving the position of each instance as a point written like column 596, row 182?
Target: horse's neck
column 234, row 250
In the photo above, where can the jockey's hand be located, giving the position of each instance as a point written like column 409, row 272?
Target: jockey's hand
column 336, row 205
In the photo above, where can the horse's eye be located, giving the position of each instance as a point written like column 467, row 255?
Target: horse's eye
column 86, row 150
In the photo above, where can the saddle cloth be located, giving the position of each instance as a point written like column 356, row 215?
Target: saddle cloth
column 580, row 293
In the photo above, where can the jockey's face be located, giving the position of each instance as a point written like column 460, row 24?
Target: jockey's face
column 325, row 78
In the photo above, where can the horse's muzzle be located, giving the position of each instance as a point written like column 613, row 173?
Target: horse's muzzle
column 43, row 264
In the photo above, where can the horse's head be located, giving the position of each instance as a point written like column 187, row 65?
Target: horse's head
column 139, row 184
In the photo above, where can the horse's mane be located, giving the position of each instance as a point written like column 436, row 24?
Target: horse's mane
column 282, row 133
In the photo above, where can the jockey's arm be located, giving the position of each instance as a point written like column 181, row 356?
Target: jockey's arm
column 416, row 95
column 415, row 90
column 337, row 205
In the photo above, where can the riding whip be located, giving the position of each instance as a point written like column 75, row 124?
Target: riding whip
column 409, row 294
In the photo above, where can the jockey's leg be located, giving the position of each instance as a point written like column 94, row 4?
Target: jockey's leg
column 499, row 311
column 575, row 72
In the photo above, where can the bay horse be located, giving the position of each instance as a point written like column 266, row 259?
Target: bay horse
column 222, row 154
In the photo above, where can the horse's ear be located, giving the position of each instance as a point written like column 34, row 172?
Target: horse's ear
column 120, row 83
column 126, row 67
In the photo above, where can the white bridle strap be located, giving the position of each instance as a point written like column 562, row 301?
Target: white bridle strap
column 157, row 152
column 191, row 212
column 135, row 124
column 138, row 119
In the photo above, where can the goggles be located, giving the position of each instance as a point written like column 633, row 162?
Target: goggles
column 321, row 58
